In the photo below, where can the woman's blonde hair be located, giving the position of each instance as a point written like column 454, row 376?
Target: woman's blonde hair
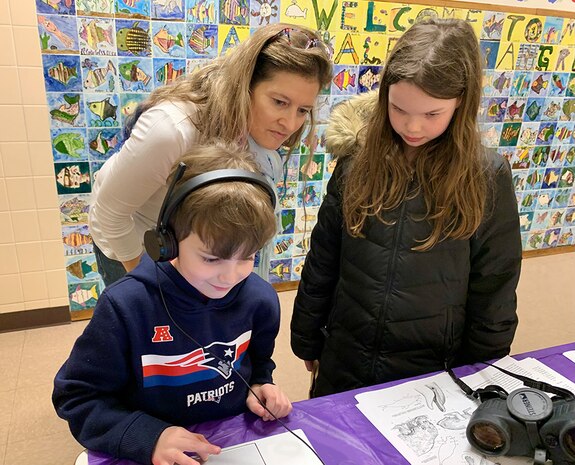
column 232, row 218
column 222, row 88
column 442, row 58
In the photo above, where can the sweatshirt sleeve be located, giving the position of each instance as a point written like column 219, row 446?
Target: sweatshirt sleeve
column 491, row 318
column 320, row 274
column 265, row 331
column 91, row 387
column 133, row 175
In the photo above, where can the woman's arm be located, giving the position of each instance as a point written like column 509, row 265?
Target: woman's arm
column 131, row 264
column 130, row 179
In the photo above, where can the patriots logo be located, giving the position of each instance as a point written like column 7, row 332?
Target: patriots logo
column 221, row 356
column 216, row 359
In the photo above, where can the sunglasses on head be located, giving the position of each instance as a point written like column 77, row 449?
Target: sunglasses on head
column 286, row 32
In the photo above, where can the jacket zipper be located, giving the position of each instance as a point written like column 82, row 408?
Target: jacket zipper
column 390, row 274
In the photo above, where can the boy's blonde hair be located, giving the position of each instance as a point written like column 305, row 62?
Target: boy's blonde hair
column 222, row 88
column 232, row 218
column 442, row 58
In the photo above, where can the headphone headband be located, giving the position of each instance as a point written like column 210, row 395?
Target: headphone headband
column 212, row 177
column 160, row 243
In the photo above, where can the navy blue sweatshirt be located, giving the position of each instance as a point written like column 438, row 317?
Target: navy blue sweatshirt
column 133, row 373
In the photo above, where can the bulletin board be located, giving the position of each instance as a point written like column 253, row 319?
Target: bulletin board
column 102, row 57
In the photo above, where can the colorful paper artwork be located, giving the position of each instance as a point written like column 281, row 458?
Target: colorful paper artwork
column 102, row 58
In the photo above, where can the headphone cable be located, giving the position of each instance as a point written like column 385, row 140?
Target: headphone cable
column 231, row 366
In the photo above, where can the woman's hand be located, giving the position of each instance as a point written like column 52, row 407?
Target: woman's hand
column 309, row 365
column 174, row 441
column 131, row 264
column 274, row 399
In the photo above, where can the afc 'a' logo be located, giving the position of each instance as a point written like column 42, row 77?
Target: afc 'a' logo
column 162, row 334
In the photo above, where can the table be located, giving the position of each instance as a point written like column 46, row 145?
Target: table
column 338, row 431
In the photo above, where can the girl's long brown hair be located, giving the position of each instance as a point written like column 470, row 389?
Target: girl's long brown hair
column 221, row 89
column 442, row 58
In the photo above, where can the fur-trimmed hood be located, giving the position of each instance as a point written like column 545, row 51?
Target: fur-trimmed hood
column 346, row 121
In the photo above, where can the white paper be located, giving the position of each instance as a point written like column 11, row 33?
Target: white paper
column 426, row 419
column 281, row 449
column 570, row 355
column 539, row 371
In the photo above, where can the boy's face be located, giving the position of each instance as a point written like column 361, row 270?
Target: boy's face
column 210, row 275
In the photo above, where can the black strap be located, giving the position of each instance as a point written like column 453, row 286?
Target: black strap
column 541, row 385
column 492, row 391
column 464, row 387
column 488, row 392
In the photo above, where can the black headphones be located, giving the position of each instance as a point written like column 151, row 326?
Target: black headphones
column 160, row 243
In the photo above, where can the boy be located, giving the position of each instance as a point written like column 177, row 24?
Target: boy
column 158, row 353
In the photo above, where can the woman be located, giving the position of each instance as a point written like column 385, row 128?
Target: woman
column 259, row 95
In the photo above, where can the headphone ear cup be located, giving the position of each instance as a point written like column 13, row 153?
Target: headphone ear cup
column 170, row 246
column 152, row 244
column 161, row 246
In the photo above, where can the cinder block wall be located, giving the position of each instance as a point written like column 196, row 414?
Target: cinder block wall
column 32, row 274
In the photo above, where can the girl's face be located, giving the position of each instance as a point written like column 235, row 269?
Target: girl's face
column 417, row 116
column 280, row 106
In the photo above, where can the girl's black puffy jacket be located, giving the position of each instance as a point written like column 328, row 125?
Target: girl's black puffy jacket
column 373, row 310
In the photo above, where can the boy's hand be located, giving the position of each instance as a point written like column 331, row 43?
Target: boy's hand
column 174, row 441
column 273, row 398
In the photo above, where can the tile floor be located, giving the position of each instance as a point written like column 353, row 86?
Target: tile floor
column 32, row 434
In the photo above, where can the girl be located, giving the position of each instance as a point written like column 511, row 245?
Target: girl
column 416, row 255
column 259, row 95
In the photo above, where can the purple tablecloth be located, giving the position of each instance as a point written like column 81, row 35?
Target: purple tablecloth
column 338, row 431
